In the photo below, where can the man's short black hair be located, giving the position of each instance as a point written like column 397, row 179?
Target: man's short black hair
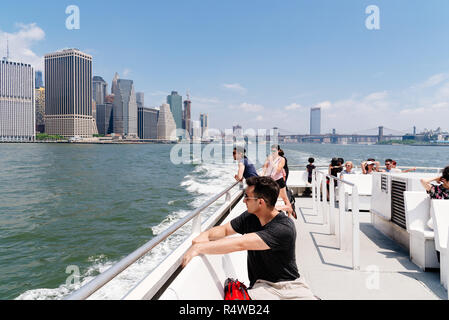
column 311, row 160
column 389, row 160
column 265, row 188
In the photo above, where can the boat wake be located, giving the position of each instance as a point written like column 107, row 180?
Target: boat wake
column 205, row 181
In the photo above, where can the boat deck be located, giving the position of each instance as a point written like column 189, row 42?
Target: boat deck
column 386, row 272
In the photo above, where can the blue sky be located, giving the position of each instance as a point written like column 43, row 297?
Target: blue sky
column 259, row 63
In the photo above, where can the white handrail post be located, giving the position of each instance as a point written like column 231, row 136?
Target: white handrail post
column 196, row 225
column 355, row 229
column 314, row 202
column 331, row 205
column 324, row 201
column 342, row 212
column 319, row 194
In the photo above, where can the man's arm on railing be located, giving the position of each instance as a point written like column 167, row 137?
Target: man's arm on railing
column 250, row 241
column 215, row 233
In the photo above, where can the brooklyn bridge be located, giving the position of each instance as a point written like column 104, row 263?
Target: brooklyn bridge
column 374, row 135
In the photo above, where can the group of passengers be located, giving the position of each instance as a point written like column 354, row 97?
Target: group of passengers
column 268, row 234
column 275, row 167
column 338, row 166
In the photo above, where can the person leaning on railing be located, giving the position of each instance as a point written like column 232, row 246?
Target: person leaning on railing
column 268, row 235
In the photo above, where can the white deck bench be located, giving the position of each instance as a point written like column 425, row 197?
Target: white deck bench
column 440, row 215
column 206, row 275
column 298, row 181
column 422, row 239
column 364, row 183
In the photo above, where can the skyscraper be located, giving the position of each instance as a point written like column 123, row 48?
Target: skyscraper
column 125, row 108
column 175, row 102
column 39, row 83
column 204, row 121
column 40, row 109
column 100, row 89
column 187, row 121
column 105, row 120
column 166, row 126
column 68, row 98
column 315, row 121
column 17, row 105
column 140, row 99
column 147, row 123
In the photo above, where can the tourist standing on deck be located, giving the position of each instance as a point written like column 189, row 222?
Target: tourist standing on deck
column 268, row 235
column 286, row 170
column 246, row 168
column 274, row 168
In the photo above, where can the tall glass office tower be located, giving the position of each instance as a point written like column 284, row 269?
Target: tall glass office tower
column 17, row 105
column 315, row 121
column 68, row 94
column 100, row 90
column 175, row 102
column 125, row 108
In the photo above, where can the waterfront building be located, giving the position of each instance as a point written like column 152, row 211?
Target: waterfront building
column 147, row 119
column 140, row 100
column 125, row 108
column 100, row 89
column 315, row 121
column 204, row 121
column 187, row 119
column 196, row 130
column 105, row 120
column 17, row 101
column 68, row 98
column 175, row 102
column 39, row 83
column 166, row 126
column 40, row 109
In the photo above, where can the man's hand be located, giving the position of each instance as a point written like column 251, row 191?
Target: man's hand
column 190, row 254
column 237, row 178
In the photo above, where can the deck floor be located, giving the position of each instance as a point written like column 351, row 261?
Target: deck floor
column 386, row 272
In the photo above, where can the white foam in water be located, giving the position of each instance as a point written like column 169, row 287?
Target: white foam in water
column 204, row 182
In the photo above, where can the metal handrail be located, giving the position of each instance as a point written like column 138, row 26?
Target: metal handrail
column 105, row 277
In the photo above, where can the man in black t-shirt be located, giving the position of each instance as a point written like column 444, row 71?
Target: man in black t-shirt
column 268, row 235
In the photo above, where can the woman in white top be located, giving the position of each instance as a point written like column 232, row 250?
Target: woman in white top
column 274, row 168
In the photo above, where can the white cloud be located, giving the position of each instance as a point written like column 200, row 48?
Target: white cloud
column 259, row 118
column 324, row 105
column 434, row 80
column 236, row 87
column 248, row 107
column 126, row 72
column 293, row 106
column 21, row 43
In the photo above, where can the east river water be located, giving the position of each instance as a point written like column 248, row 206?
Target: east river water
column 66, row 207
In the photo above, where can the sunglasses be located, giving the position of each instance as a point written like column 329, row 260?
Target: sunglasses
column 247, row 197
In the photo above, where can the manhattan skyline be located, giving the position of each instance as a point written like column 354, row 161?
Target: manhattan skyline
column 259, row 64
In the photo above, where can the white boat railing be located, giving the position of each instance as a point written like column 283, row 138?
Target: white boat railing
column 326, row 209
column 195, row 216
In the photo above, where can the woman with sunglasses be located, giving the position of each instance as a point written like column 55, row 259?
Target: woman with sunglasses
column 274, row 168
